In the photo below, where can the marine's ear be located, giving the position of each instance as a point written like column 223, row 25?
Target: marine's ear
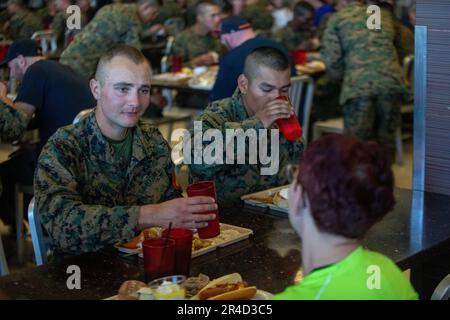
column 95, row 88
column 243, row 83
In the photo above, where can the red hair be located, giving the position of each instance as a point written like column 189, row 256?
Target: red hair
column 349, row 182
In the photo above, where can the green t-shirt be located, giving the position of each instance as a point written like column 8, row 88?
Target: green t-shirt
column 362, row 275
column 122, row 149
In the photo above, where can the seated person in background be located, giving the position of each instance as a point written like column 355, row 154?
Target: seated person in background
column 108, row 176
column 238, row 36
column 22, row 23
column 266, row 75
column 321, row 9
column 256, row 12
column 47, row 14
column 298, row 34
column 51, row 92
column 331, row 207
column 112, row 25
column 199, row 45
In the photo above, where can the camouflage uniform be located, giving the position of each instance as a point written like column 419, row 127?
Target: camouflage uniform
column 235, row 180
column 85, row 198
column 190, row 45
column 260, row 18
column 112, row 25
column 291, row 38
column 12, row 125
column 373, row 82
column 23, row 24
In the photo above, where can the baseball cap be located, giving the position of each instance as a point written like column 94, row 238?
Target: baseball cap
column 24, row 47
column 233, row 24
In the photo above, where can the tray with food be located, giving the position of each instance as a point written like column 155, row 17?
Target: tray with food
column 227, row 287
column 204, row 80
column 177, row 77
column 310, row 67
column 229, row 234
column 276, row 199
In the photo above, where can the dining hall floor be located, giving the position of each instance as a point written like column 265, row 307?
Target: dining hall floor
column 403, row 179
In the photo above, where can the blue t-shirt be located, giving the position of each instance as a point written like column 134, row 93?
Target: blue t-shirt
column 57, row 92
column 323, row 10
column 232, row 64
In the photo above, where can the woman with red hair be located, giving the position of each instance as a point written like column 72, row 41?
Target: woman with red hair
column 341, row 188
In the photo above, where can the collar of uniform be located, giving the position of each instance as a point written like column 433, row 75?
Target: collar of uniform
column 101, row 150
column 238, row 106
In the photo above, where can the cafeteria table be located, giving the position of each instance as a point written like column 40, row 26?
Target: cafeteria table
column 269, row 259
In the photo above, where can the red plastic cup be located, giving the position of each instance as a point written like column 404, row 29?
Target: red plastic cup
column 183, row 249
column 177, row 63
column 290, row 127
column 206, row 188
column 159, row 258
column 299, row 56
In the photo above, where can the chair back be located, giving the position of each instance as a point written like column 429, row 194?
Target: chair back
column 81, row 115
column 37, row 235
column 408, row 69
column 301, row 95
column 47, row 40
column 442, row 291
column 165, row 59
column 3, row 263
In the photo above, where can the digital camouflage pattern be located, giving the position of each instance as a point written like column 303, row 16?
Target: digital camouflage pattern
column 366, row 59
column 12, row 125
column 112, row 25
column 290, row 38
column 87, row 200
column 374, row 118
column 189, row 45
column 22, row 25
column 234, row 180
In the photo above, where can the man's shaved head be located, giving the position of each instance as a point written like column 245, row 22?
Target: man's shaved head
column 269, row 57
column 124, row 51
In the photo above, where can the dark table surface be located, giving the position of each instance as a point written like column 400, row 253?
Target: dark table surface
column 269, row 259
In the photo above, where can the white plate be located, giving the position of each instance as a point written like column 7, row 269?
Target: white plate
column 262, row 295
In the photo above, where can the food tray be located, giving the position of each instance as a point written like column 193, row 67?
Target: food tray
column 250, row 200
column 229, row 234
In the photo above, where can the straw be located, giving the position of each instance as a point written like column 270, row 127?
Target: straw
column 164, row 248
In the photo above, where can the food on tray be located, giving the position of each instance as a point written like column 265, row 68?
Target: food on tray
column 273, row 196
column 194, row 284
column 226, row 235
column 228, row 287
column 198, row 243
column 129, row 290
column 168, row 290
column 266, row 198
column 148, row 233
column 135, row 242
column 205, row 79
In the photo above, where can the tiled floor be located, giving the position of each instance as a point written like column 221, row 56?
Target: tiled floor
column 403, row 179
